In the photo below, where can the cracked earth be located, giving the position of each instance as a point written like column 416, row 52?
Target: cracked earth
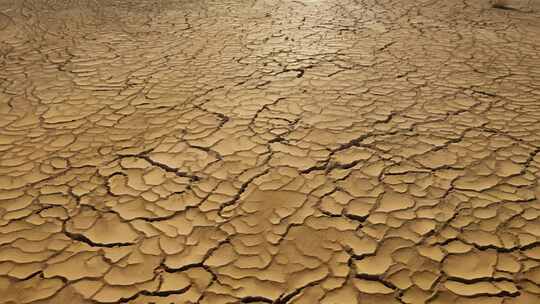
column 309, row 151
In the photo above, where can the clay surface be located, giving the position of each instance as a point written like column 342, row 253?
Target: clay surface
column 261, row 151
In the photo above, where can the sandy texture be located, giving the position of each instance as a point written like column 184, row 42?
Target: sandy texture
column 308, row 151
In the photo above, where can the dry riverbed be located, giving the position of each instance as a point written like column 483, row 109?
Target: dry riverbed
column 258, row 151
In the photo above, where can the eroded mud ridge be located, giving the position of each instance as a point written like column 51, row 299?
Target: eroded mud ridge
column 328, row 151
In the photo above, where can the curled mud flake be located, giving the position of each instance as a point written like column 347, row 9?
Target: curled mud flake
column 113, row 294
column 533, row 275
column 371, row 287
column 471, row 266
column 86, row 288
column 393, row 201
column 373, row 265
column 78, row 266
column 59, row 163
column 432, row 252
column 345, row 294
column 482, row 289
column 132, row 273
column 32, row 290
column 107, row 231
column 507, row 168
column 63, row 140
column 174, row 282
column 476, row 183
column 438, row 159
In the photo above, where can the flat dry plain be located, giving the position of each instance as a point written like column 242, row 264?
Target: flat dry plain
column 239, row 151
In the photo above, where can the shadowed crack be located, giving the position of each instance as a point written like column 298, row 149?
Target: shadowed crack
column 81, row 238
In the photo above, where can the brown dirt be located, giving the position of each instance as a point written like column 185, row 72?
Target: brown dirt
column 309, row 151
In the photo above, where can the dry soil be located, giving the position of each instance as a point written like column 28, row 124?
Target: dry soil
column 258, row 151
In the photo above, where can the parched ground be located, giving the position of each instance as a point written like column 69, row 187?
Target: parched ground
column 261, row 151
